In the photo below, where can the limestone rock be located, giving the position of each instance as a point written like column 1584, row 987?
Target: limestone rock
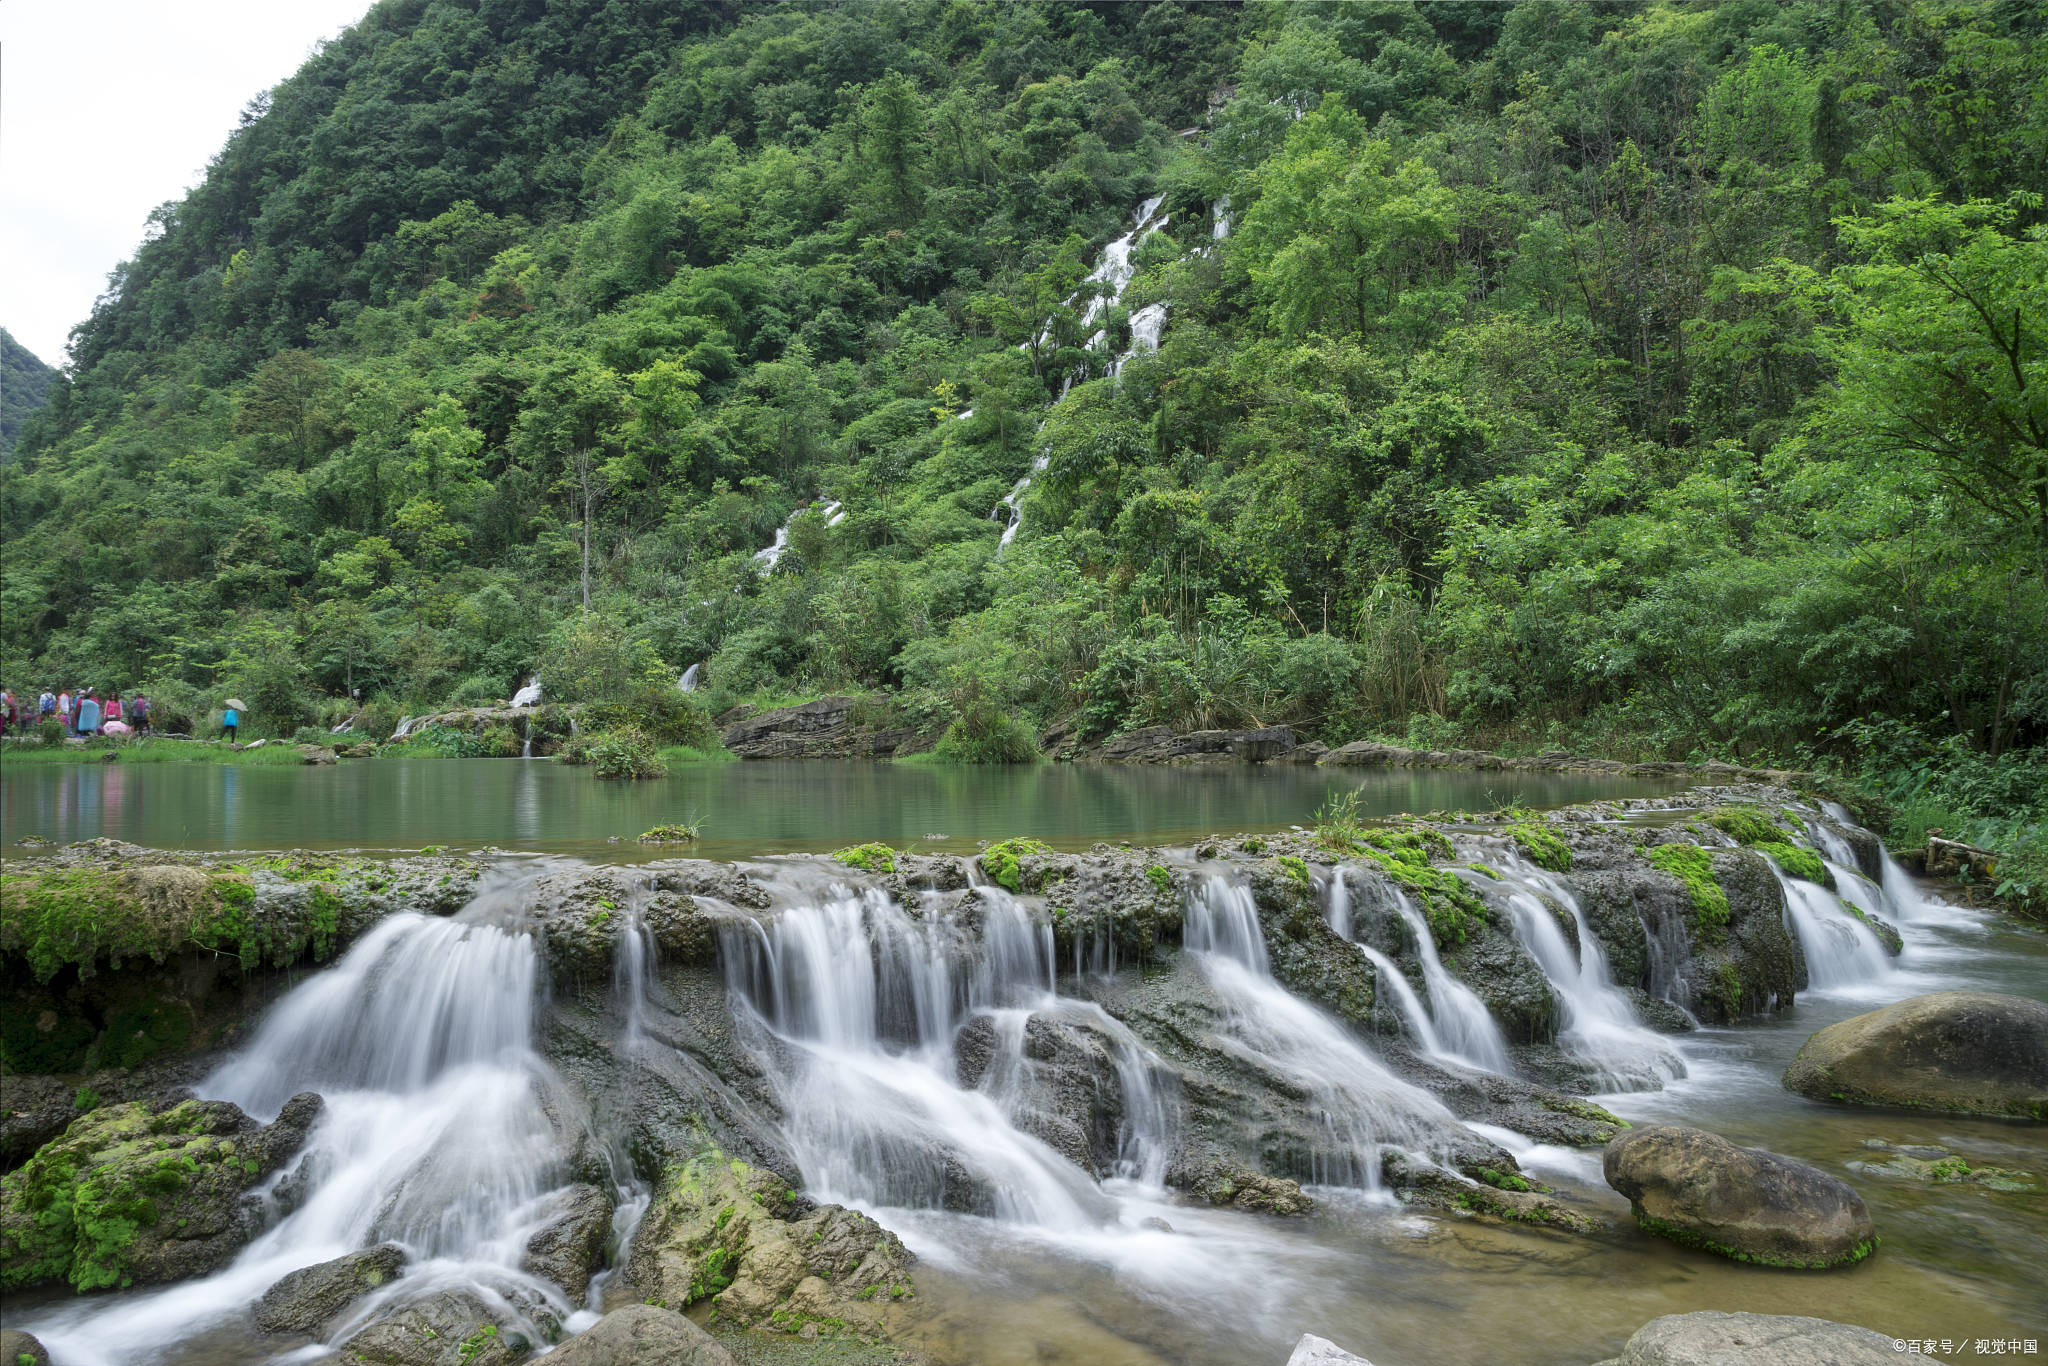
column 1164, row 745
column 829, row 728
column 313, row 1295
column 719, row 1229
column 1700, row 1190
column 642, row 1335
column 136, row 1195
column 1712, row 1338
column 571, row 1245
column 448, row 1328
column 21, row 1349
column 1315, row 1351
column 1964, row 1052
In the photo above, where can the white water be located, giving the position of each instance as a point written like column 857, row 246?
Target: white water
column 1455, row 1026
column 1111, row 274
column 688, row 682
column 1219, row 219
column 1841, row 951
column 1362, row 1107
column 1600, row 1027
column 432, row 1136
column 528, row 696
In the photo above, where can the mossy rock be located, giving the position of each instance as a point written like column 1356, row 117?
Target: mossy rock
column 869, row 858
column 1004, row 862
column 1693, row 867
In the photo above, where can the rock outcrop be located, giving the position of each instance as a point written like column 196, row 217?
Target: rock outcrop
column 829, row 728
column 21, row 1349
column 1164, row 745
column 314, row 1295
column 451, row 1328
column 735, row 1234
column 1702, row 1191
column 570, row 1246
column 132, row 1195
column 1712, row 1338
column 642, row 1335
column 1963, row 1052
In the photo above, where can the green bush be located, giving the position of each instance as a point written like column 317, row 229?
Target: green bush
column 667, row 715
column 627, row 753
column 984, row 734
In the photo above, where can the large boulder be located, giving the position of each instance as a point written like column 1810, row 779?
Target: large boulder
column 455, row 1327
column 1964, row 1052
column 735, row 1234
column 313, row 1295
column 642, row 1335
column 1702, row 1191
column 1712, row 1338
column 21, row 1349
column 140, row 1195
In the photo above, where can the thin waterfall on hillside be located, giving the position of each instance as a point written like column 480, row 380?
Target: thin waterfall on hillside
column 1111, row 274
column 420, row 1042
column 1600, row 1028
column 1362, row 1107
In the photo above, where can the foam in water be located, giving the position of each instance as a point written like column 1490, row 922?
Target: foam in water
column 433, row 1136
column 1600, row 1026
column 1841, row 951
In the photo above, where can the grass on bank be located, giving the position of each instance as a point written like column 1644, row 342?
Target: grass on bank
column 278, row 754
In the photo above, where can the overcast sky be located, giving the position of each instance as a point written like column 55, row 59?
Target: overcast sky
column 107, row 109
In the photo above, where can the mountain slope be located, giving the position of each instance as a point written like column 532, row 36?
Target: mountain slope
column 1532, row 374
column 24, row 385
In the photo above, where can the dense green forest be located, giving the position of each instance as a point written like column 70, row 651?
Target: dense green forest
column 1639, row 378
column 24, row 383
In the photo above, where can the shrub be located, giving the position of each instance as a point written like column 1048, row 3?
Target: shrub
column 50, row 732
column 627, row 753
column 668, row 716
column 984, row 734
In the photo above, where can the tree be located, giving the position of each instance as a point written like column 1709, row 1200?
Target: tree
column 291, row 399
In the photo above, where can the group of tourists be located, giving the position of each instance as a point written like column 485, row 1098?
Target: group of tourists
column 86, row 714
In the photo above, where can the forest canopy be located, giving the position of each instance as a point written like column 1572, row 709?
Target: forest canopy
column 1643, row 378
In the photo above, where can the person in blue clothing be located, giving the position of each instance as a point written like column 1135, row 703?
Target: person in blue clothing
column 228, row 721
column 89, row 714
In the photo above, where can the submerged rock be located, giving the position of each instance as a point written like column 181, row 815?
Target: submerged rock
column 313, row 1295
column 1964, row 1052
column 135, row 1195
column 1712, row 1338
column 721, row 1230
column 570, row 1246
column 642, row 1335
column 1227, row 1183
column 1702, row 1191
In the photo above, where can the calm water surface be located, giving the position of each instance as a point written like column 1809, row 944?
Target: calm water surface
column 747, row 808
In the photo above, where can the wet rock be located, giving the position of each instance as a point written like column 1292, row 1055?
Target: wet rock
column 1712, row 1338
column 1963, row 1052
column 21, row 1349
column 829, row 728
column 1314, row 1351
column 132, row 1195
column 1700, row 1190
column 311, row 1296
column 719, row 1229
column 571, row 1245
column 445, row 1328
column 1164, row 745
column 1063, row 1075
column 1662, row 1016
column 642, row 1335
column 1240, row 1187
column 316, row 754
column 1939, row 1167
column 1518, row 996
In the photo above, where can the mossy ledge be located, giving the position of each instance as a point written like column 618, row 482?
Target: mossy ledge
column 869, row 858
column 1651, row 1224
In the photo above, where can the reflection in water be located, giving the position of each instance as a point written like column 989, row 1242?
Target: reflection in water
column 750, row 808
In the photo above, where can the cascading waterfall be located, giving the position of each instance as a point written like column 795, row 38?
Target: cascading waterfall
column 688, row 682
column 1111, row 274
column 1600, row 1026
column 1362, row 1107
column 1455, row 1025
column 1841, row 951
column 419, row 1040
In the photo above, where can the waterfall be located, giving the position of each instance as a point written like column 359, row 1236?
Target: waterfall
column 1600, row 1027
column 1362, row 1107
column 1841, row 951
column 1219, row 219
column 688, row 682
column 526, row 739
column 433, row 1135
column 770, row 555
column 1455, row 1025
column 1147, row 324
column 528, row 696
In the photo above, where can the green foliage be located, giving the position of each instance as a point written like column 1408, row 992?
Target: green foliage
column 24, row 384
column 1659, row 382
column 1001, row 861
column 1160, row 878
column 679, row 832
column 869, row 858
column 1694, row 867
column 626, row 754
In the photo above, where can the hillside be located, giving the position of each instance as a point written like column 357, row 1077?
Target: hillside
column 1645, row 378
column 24, row 384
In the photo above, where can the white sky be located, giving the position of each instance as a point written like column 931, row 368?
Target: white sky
column 107, row 109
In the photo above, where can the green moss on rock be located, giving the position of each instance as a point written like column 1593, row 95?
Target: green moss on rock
column 1694, row 867
column 1797, row 862
column 869, row 858
column 1002, row 862
column 1542, row 847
